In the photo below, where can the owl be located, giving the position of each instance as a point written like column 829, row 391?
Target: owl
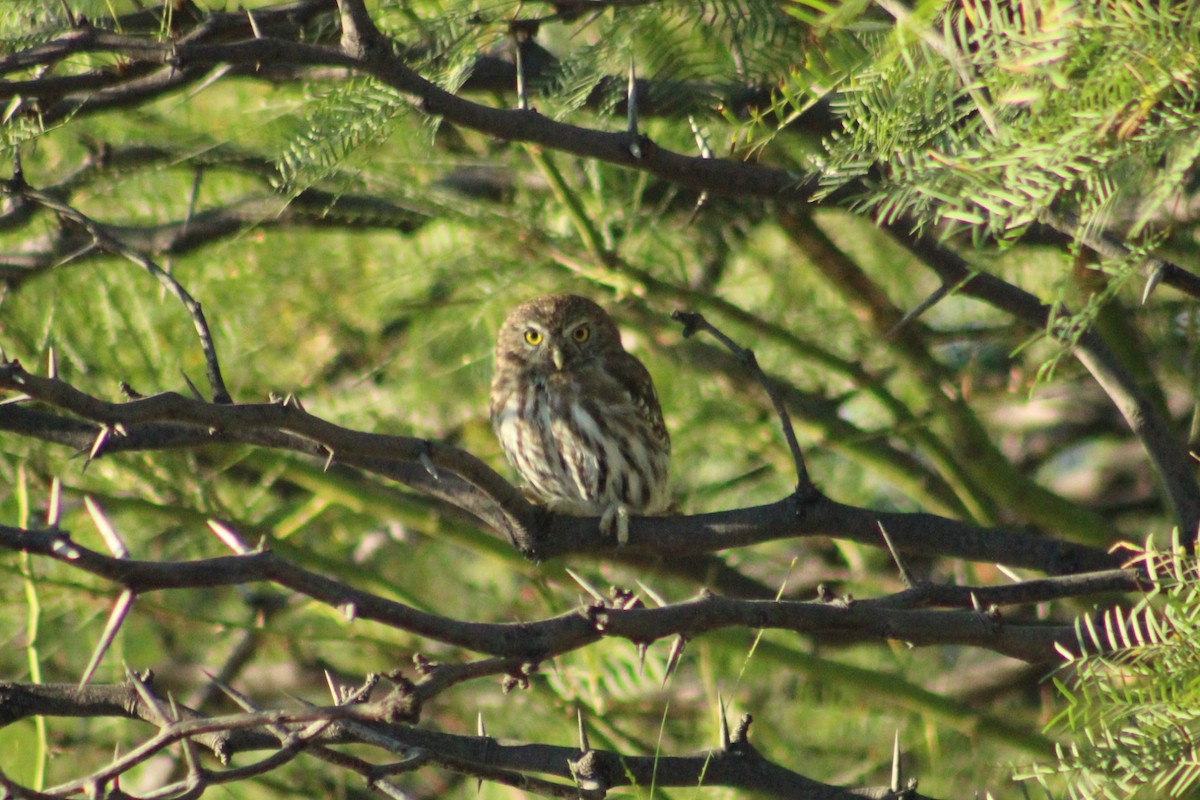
column 577, row 415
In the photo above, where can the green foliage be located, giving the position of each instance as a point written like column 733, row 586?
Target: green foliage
column 341, row 121
column 387, row 325
column 984, row 115
column 1133, row 693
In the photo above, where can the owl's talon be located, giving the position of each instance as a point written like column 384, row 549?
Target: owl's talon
column 614, row 523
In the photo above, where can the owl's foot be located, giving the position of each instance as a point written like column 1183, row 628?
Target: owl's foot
column 614, row 523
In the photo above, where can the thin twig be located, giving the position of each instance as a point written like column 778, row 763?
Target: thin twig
column 693, row 321
column 1156, row 270
column 107, row 242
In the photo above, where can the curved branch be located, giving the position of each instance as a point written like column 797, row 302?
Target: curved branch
column 1167, row 448
column 485, row 494
column 312, row 208
column 866, row 620
column 736, row 765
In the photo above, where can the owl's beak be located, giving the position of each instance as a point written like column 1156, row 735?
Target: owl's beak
column 556, row 355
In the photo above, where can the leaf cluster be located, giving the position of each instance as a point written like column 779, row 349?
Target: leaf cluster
column 1131, row 693
column 984, row 115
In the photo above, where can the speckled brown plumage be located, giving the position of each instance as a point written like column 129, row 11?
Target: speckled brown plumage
column 577, row 415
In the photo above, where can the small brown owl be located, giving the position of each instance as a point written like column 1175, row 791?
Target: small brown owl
column 577, row 415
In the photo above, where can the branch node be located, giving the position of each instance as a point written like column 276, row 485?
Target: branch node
column 588, row 773
column 741, row 734
column 360, row 37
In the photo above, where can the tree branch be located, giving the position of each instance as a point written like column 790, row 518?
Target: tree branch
column 486, row 495
column 1166, row 448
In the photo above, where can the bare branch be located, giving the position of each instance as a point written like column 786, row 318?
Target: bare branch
column 739, row 767
column 885, row 618
column 109, row 243
column 488, row 496
column 1167, row 448
column 693, row 321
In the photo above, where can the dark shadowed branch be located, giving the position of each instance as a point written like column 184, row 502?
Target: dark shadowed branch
column 480, row 491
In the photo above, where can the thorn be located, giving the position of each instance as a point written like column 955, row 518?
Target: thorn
column 334, row 691
column 975, row 604
column 192, row 387
column 631, row 102
column 723, row 720
column 1153, row 281
column 674, row 657
column 237, row 697
column 72, row 20
column 642, row 649
column 115, row 619
column 895, row 785
column 230, row 539
column 920, row 308
column 51, row 363
column 292, row 400
column 700, row 201
column 592, row 590
column 1008, row 573
column 54, row 507
column 701, row 140
column 427, row 460
column 362, row 693
column 147, row 696
column 481, row 729
column 350, row 611
column 189, row 750
column 329, row 461
column 115, row 545
column 742, row 732
column 522, row 97
column 653, row 595
column 101, row 438
column 905, row 576
column 584, row 746
column 254, row 25
column 197, row 177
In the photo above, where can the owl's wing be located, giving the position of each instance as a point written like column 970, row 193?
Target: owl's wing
column 635, row 379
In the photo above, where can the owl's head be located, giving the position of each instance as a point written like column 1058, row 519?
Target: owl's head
column 557, row 332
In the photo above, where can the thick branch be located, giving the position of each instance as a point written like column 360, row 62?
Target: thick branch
column 536, row 641
column 737, row 766
column 489, row 497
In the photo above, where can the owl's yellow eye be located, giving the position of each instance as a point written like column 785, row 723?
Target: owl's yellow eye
column 581, row 333
column 533, row 336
